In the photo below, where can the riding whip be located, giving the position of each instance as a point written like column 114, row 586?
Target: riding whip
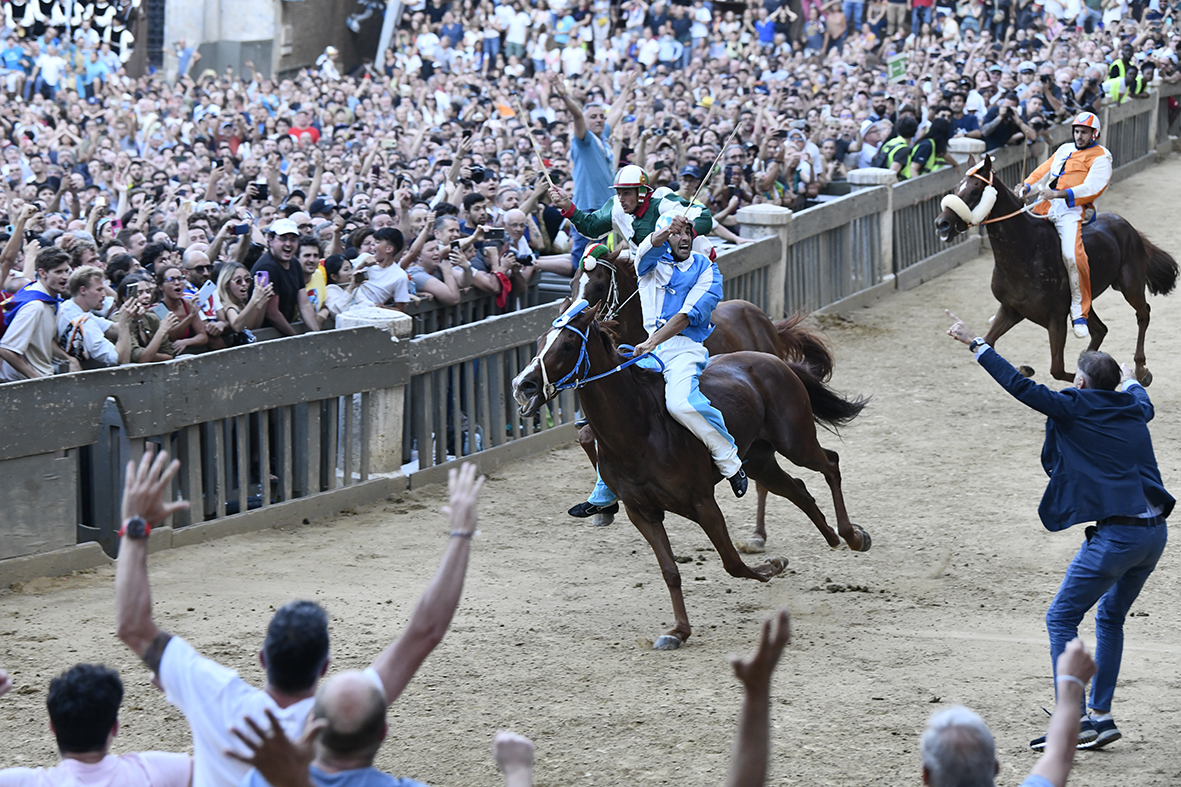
column 533, row 144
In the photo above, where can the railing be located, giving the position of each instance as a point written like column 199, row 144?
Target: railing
column 459, row 400
column 475, row 305
column 835, row 250
column 304, row 426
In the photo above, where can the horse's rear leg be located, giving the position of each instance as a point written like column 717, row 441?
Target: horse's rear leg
column 711, row 520
column 815, row 457
column 651, row 527
column 757, row 541
column 1137, row 301
column 586, row 439
column 1097, row 328
column 763, row 467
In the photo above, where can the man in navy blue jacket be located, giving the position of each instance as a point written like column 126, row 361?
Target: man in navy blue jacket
column 1098, row 455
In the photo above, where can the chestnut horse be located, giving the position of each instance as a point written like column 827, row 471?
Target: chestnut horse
column 655, row 464
column 1029, row 278
column 738, row 325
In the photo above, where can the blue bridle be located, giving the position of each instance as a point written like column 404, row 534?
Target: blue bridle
column 572, row 380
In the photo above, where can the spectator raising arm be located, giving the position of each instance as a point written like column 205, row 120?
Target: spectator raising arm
column 1075, row 668
column 397, row 664
column 143, row 508
column 748, row 762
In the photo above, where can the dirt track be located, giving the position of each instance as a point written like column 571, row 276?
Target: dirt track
column 551, row 638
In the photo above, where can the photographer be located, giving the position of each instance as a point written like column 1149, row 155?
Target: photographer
column 1086, row 92
column 1003, row 125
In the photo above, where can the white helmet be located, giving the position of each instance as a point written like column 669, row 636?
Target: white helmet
column 632, row 177
column 1087, row 120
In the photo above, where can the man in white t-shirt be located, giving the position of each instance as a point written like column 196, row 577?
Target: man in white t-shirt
column 214, row 698
column 84, row 716
column 386, row 283
column 94, row 341
column 30, row 340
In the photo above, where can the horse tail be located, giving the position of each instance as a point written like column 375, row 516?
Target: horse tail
column 1162, row 268
column 801, row 345
column 829, row 408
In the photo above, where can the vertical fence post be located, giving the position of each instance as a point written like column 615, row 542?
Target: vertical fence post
column 383, row 421
column 872, row 177
column 761, row 221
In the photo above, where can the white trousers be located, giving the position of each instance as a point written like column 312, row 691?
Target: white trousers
column 1067, row 221
column 684, row 360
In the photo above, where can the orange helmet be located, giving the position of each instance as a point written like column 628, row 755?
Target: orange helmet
column 1087, row 120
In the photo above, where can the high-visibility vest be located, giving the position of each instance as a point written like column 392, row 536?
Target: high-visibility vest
column 890, row 150
column 932, row 163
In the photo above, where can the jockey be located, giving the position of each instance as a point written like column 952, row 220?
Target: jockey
column 631, row 213
column 678, row 289
column 1071, row 179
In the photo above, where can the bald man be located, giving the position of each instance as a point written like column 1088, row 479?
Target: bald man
column 350, row 716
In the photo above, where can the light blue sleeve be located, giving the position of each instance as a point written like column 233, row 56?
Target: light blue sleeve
column 650, row 258
column 1033, row 780
column 704, row 297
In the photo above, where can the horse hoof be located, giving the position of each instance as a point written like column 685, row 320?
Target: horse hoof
column 1146, row 380
column 602, row 520
column 667, row 642
column 1026, row 371
column 778, row 565
column 865, row 539
column 753, row 546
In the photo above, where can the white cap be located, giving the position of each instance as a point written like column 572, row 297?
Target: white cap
column 1026, row 65
column 283, row 227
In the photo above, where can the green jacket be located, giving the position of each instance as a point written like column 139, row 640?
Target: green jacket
column 600, row 222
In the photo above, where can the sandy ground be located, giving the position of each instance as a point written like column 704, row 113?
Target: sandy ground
column 551, row 638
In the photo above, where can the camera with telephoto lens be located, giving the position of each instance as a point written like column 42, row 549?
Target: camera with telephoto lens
column 477, row 171
column 525, row 260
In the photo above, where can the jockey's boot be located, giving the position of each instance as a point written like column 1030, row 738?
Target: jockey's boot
column 738, row 483
column 587, row 509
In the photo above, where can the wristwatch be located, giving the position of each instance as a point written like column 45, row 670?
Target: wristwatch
column 136, row 527
column 976, row 343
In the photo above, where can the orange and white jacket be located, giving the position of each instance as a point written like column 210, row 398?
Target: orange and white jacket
column 1082, row 174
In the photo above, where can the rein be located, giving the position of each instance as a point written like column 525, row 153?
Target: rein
column 572, row 380
column 613, row 306
column 988, row 182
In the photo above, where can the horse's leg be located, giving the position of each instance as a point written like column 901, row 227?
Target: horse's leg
column 1006, row 317
column 757, row 541
column 1097, row 328
column 1057, row 331
column 763, row 467
column 651, row 527
column 711, row 520
column 1135, row 298
column 586, row 439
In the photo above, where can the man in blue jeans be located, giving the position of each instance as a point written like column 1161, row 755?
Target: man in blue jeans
column 1098, row 454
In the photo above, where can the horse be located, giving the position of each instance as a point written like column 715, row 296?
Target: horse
column 738, row 325
column 656, row 465
column 1029, row 277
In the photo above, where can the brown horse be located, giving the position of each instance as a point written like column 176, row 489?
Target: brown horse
column 738, row 325
column 654, row 464
column 1029, row 278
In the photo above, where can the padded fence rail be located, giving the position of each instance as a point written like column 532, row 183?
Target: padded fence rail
column 304, row 426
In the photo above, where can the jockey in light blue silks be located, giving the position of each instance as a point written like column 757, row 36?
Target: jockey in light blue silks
column 679, row 289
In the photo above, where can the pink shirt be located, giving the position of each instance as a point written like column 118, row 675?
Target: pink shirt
column 138, row 769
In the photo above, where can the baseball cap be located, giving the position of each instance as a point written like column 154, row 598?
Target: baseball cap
column 283, row 227
column 690, row 171
column 1026, row 65
column 321, row 205
column 996, row 68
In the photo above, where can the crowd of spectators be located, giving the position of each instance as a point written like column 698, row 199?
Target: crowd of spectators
column 220, row 203
column 304, row 727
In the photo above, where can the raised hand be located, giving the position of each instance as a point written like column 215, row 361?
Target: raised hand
column 145, row 486
column 755, row 672
column 281, row 761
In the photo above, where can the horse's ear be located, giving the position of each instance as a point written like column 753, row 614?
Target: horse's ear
column 971, row 162
column 987, row 162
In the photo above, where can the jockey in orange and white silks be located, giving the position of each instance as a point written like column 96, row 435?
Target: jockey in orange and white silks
column 1071, row 179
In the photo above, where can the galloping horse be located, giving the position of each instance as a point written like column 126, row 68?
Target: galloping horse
column 738, row 325
column 656, row 465
column 1029, row 278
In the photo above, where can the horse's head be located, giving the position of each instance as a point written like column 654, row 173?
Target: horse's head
column 970, row 203
column 561, row 359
